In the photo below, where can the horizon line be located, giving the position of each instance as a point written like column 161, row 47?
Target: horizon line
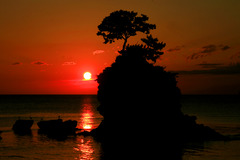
column 96, row 94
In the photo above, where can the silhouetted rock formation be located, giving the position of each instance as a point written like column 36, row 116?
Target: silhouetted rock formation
column 57, row 128
column 139, row 100
column 22, row 127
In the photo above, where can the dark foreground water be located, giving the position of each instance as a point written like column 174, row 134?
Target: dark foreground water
column 222, row 113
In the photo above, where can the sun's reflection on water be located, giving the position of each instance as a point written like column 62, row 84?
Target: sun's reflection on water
column 87, row 149
column 87, row 120
column 86, row 117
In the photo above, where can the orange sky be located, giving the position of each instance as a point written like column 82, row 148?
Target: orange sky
column 47, row 45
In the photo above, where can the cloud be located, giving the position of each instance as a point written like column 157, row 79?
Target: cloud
column 98, row 52
column 69, row 63
column 209, row 65
column 41, row 63
column 204, row 51
column 17, row 63
column 218, row 70
column 224, row 47
column 207, row 50
column 194, row 56
column 175, row 49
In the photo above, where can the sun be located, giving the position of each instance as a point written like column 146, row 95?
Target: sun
column 87, row 75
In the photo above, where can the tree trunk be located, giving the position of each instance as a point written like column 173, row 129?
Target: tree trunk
column 124, row 44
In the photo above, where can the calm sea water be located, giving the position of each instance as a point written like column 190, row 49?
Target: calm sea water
column 222, row 113
column 38, row 146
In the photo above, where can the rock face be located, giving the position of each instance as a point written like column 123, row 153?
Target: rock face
column 141, row 106
column 22, row 126
column 57, row 128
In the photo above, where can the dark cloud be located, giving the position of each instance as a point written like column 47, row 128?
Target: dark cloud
column 207, row 50
column 209, row 65
column 224, row 47
column 195, row 56
column 204, row 51
column 218, row 70
column 41, row 63
column 177, row 48
column 16, row 63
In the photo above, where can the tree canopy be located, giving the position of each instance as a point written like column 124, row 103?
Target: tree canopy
column 122, row 25
column 151, row 50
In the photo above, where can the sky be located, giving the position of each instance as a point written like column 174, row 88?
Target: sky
column 47, row 45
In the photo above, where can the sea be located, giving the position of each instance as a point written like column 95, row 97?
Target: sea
column 220, row 112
